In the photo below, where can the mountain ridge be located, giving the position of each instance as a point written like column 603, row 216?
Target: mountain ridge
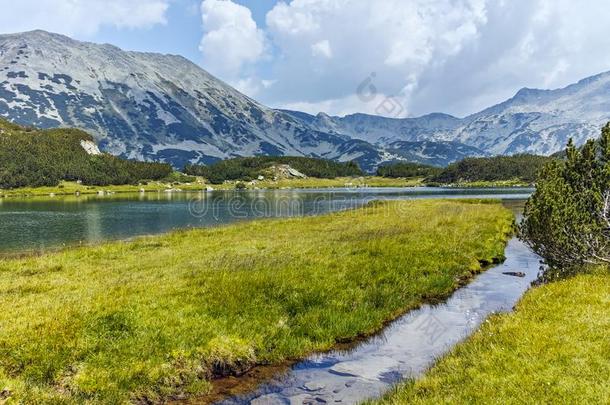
column 146, row 105
column 164, row 107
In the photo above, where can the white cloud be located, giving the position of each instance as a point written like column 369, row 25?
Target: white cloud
column 524, row 43
column 322, row 48
column 396, row 39
column 455, row 56
column 80, row 17
column 231, row 41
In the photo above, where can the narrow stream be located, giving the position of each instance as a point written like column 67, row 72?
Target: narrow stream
column 404, row 350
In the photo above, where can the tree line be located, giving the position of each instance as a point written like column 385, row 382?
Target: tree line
column 249, row 168
column 523, row 167
column 407, row 169
column 31, row 157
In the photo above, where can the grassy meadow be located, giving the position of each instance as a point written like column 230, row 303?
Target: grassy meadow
column 72, row 188
column 516, row 183
column 160, row 317
column 553, row 349
column 311, row 182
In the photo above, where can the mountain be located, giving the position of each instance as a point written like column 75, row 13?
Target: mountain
column 427, row 139
column 163, row 107
column 533, row 121
column 381, row 130
column 541, row 121
column 440, row 153
column 150, row 106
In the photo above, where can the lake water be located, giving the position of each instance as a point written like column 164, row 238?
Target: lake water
column 38, row 224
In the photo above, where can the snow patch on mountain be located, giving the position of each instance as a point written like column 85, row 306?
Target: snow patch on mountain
column 164, row 107
column 145, row 105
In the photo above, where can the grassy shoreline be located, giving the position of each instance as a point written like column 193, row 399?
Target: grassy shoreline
column 553, row 349
column 485, row 184
column 73, row 188
column 160, row 317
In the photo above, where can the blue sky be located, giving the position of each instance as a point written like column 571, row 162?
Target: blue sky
column 453, row 56
column 180, row 35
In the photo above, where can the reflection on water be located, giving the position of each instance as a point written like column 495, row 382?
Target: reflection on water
column 405, row 349
column 42, row 223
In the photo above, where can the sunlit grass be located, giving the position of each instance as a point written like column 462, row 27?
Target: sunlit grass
column 72, row 188
column 554, row 349
column 160, row 316
column 484, row 184
column 310, row 182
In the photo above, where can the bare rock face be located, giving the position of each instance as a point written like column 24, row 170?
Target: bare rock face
column 286, row 172
column 163, row 107
column 150, row 106
column 90, row 147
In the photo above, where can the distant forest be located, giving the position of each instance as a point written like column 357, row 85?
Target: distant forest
column 407, row 169
column 31, row 157
column 249, row 168
column 498, row 168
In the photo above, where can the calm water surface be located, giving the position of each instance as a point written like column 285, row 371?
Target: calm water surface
column 42, row 223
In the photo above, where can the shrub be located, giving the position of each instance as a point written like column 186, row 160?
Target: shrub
column 567, row 219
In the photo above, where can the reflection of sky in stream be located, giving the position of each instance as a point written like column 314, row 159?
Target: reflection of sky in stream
column 406, row 348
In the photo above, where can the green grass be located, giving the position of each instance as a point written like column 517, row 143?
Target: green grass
column 554, row 349
column 71, row 188
column 159, row 316
column 311, row 182
column 484, row 184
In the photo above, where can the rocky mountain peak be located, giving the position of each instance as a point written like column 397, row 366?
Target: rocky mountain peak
column 164, row 107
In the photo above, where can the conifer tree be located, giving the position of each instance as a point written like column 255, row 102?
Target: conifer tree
column 567, row 219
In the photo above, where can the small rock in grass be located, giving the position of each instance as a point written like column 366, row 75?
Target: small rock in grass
column 5, row 394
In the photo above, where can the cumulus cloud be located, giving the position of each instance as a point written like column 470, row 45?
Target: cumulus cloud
column 82, row 17
column 524, row 43
column 322, row 48
column 397, row 40
column 455, row 56
column 231, row 42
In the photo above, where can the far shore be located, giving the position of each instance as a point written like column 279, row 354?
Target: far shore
column 67, row 188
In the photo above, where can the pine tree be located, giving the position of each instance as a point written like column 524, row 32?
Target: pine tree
column 567, row 219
